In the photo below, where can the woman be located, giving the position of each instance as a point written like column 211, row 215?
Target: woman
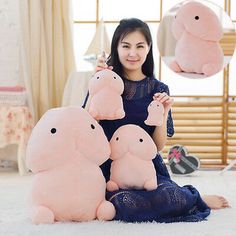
column 132, row 58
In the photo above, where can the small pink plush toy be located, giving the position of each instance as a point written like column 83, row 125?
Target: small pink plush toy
column 105, row 88
column 64, row 152
column 132, row 153
column 155, row 114
column 198, row 32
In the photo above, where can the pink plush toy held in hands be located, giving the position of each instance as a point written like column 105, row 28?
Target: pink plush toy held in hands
column 155, row 114
column 64, row 152
column 132, row 151
column 105, row 89
column 198, row 32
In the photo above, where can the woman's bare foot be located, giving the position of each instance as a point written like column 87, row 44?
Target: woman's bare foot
column 215, row 202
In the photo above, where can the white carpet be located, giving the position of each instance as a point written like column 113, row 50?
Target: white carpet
column 14, row 220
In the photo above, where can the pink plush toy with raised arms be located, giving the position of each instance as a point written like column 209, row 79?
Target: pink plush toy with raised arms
column 198, row 32
column 105, row 89
column 64, row 152
column 132, row 151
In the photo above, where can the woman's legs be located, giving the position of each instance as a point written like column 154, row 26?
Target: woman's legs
column 215, row 202
column 168, row 203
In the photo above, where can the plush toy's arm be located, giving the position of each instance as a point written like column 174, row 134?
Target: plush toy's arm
column 41, row 215
column 106, row 211
column 151, row 184
column 112, row 186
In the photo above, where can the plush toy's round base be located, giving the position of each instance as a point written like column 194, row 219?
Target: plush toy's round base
column 175, row 67
column 42, row 215
column 112, row 186
column 106, row 211
column 210, row 69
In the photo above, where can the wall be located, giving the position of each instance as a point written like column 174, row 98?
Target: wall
column 9, row 55
column 9, row 42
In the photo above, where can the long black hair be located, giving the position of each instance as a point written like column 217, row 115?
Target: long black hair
column 125, row 27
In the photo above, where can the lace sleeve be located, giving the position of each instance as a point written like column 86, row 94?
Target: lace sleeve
column 161, row 88
column 170, row 125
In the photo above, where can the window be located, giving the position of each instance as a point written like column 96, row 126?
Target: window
column 113, row 10
column 232, row 77
column 86, row 15
column 232, row 10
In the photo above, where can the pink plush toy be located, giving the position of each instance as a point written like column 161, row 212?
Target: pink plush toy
column 198, row 32
column 105, row 88
column 132, row 153
column 155, row 114
column 64, row 152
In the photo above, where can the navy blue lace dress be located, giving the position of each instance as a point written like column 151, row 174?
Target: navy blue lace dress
column 169, row 202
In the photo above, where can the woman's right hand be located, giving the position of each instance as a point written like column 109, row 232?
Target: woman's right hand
column 101, row 63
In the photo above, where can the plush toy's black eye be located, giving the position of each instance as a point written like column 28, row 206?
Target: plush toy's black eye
column 140, row 140
column 98, row 77
column 53, row 130
column 117, row 138
column 92, row 126
column 175, row 17
column 157, row 105
column 114, row 77
column 196, row 17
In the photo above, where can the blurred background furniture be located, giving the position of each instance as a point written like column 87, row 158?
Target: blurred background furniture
column 16, row 123
column 76, row 88
column 15, row 127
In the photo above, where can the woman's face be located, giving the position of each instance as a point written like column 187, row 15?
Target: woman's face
column 132, row 51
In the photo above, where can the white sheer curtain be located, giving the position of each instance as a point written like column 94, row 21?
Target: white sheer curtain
column 46, row 51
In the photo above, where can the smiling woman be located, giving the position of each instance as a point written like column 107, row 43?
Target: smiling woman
column 133, row 50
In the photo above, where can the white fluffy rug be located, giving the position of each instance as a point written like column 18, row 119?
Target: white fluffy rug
column 14, row 220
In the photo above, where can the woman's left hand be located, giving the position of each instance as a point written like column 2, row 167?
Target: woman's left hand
column 165, row 99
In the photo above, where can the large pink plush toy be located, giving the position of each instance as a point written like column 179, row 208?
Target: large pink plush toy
column 132, row 151
column 198, row 32
column 64, row 152
column 105, row 89
column 155, row 114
